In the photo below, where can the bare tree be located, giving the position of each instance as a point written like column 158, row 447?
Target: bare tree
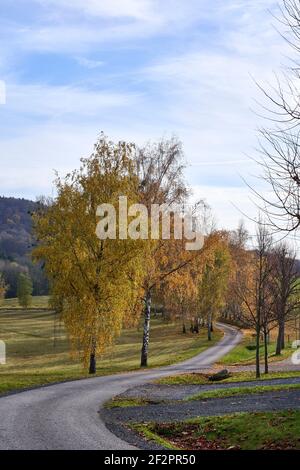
column 280, row 162
column 285, row 288
column 279, row 145
column 254, row 291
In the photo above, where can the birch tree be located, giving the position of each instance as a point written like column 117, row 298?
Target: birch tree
column 94, row 283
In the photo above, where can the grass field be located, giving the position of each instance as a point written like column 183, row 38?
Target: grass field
column 37, row 302
column 38, row 350
column 245, row 431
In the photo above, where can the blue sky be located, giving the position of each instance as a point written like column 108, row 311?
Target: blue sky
column 138, row 70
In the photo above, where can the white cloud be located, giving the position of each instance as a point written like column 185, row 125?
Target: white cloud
column 57, row 101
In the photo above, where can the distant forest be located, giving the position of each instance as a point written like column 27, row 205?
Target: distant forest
column 16, row 243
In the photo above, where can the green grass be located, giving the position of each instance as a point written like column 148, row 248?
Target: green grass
column 202, row 379
column 241, row 355
column 230, row 392
column 38, row 349
column 119, row 402
column 149, row 435
column 246, row 431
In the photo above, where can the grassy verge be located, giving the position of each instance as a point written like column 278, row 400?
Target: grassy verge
column 245, row 431
column 202, row 379
column 230, row 392
column 119, row 402
column 38, row 349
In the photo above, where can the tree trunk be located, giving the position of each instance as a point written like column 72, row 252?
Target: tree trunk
column 93, row 368
column 183, row 320
column 209, row 328
column 279, row 340
column 282, row 334
column 146, row 333
column 257, row 366
column 266, row 351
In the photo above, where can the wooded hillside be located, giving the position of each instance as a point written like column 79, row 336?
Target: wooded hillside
column 16, row 241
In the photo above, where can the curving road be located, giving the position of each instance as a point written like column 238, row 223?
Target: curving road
column 64, row 416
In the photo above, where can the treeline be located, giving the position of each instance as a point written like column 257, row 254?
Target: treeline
column 255, row 287
column 16, row 243
column 263, row 288
column 98, row 286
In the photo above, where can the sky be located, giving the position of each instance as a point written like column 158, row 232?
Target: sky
column 138, row 70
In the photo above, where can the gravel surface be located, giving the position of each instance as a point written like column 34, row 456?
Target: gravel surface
column 269, row 401
column 180, row 392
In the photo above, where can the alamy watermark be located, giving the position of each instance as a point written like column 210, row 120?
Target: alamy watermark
column 2, row 92
column 163, row 222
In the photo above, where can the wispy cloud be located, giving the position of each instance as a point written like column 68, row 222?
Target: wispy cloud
column 75, row 25
column 61, row 101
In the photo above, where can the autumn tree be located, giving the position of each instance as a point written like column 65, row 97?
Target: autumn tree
column 171, row 258
column 239, row 254
column 95, row 283
column 179, row 294
column 24, row 290
column 213, row 285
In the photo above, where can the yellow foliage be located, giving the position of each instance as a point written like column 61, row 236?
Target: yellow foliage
column 95, row 284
